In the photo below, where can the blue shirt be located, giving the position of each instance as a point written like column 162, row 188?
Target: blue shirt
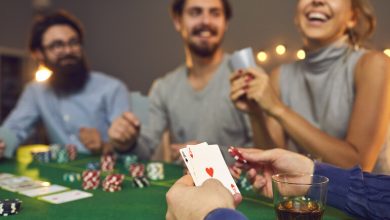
column 360, row 194
column 103, row 99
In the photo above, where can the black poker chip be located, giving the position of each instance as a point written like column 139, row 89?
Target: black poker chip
column 140, row 182
column 10, row 206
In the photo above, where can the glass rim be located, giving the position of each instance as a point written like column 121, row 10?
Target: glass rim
column 324, row 181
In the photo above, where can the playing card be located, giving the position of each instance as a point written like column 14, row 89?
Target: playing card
column 67, row 196
column 5, row 176
column 242, row 59
column 188, row 157
column 43, row 190
column 208, row 163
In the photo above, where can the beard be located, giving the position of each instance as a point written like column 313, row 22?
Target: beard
column 204, row 50
column 68, row 78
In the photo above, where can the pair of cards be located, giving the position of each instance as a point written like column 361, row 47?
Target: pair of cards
column 206, row 161
column 43, row 190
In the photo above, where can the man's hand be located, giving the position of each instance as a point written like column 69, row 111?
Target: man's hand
column 2, row 148
column 91, row 139
column 266, row 163
column 185, row 201
column 124, row 131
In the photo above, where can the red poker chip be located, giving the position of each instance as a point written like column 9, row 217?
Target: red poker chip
column 236, row 154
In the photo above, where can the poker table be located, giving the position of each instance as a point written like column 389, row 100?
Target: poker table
column 130, row 203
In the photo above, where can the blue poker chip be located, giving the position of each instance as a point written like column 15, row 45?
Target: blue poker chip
column 10, row 206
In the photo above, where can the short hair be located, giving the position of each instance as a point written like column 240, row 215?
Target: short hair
column 177, row 7
column 365, row 22
column 44, row 22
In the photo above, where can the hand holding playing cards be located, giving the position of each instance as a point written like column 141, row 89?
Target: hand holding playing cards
column 91, row 139
column 186, row 201
column 264, row 164
column 2, row 148
column 255, row 85
column 124, row 131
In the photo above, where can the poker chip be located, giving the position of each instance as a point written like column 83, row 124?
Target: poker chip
column 62, row 156
column 93, row 166
column 236, row 154
column 42, row 156
column 10, row 206
column 91, row 179
column 140, row 182
column 137, row 170
column 113, row 182
column 72, row 151
column 71, row 177
column 128, row 160
column 155, row 171
column 244, row 183
column 54, row 148
column 107, row 163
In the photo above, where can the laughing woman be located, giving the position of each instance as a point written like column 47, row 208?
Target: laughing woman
column 334, row 104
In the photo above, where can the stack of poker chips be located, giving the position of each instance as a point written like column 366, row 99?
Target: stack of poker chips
column 54, row 148
column 91, row 179
column 155, row 171
column 140, row 182
column 137, row 170
column 72, row 151
column 128, row 160
column 107, row 163
column 62, row 156
column 10, row 206
column 41, row 156
column 71, row 177
column 113, row 182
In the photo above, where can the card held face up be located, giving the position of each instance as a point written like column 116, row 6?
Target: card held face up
column 206, row 161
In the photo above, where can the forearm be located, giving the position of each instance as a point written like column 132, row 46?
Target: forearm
column 261, row 135
column 360, row 194
column 328, row 148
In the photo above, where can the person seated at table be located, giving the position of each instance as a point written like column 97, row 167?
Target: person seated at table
column 76, row 105
column 192, row 102
column 334, row 104
column 359, row 194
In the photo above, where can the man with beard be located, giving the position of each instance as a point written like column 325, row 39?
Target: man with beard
column 191, row 102
column 76, row 105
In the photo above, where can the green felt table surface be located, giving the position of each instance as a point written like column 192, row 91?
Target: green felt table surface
column 130, row 203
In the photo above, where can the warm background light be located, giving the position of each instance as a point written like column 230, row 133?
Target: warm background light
column 387, row 52
column 280, row 49
column 301, row 54
column 262, row 56
column 42, row 74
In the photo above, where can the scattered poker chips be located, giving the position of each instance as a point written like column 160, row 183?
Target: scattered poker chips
column 236, row 154
column 71, row 177
column 155, row 171
column 113, row 182
column 72, row 151
column 140, row 182
column 91, row 179
column 10, row 206
column 107, row 163
column 137, row 170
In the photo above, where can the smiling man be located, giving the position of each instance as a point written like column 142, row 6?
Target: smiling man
column 192, row 102
column 76, row 105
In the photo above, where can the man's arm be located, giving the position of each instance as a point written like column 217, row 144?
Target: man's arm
column 20, row 122
column 360, row 194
